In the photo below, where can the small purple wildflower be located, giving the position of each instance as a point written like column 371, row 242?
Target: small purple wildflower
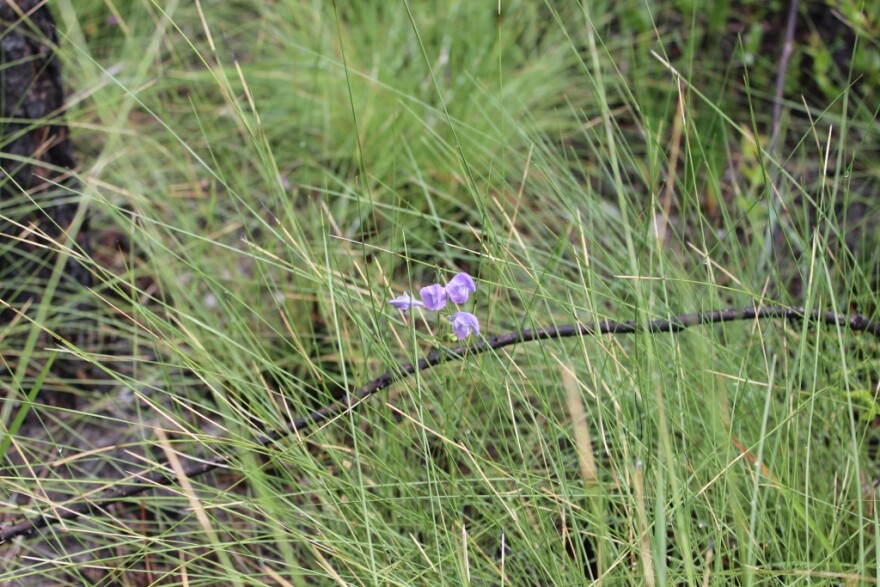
column 434, row 297
column 405, row 302
column 459, row 287
column 464, row 324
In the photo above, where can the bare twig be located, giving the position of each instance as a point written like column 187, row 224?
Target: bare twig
column 787, row 49
column 775, row 203
column 162, row 474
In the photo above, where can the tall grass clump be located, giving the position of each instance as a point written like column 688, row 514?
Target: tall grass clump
column 261, row 179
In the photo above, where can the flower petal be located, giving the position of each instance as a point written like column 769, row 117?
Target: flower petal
column 434, row 297
column 464, row 324
column 405, row 302
column 459, row 287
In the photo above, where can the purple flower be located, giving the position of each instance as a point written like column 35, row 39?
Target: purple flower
column 434, row 297
column 459, row 287
column 405, row 302
column 464, row 324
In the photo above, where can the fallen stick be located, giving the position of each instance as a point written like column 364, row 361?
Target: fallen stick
column 161, row 475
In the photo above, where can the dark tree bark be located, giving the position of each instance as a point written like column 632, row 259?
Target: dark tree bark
column 39, row 197
column 38, row 193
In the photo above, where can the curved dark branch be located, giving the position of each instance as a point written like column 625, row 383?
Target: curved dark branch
column 151, row 478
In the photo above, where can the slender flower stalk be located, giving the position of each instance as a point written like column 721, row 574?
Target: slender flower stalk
column 434, row 298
